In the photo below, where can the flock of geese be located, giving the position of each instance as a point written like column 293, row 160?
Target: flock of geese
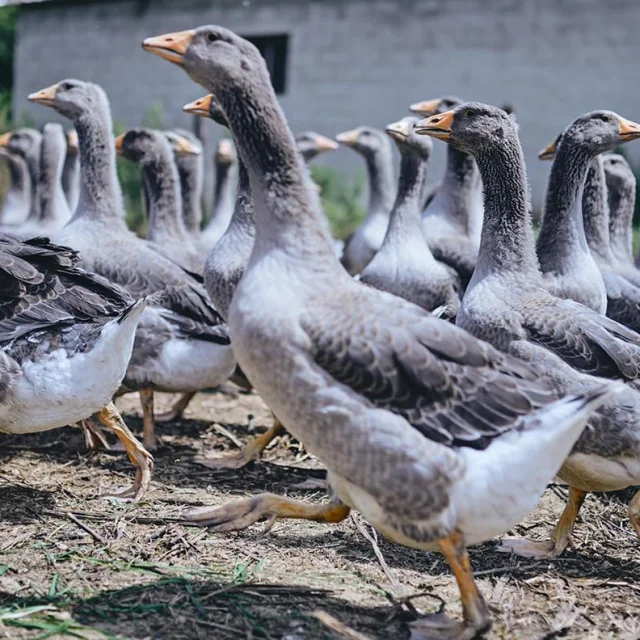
column 444, row 386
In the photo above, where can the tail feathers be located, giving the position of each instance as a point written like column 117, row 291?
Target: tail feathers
column 134, row 310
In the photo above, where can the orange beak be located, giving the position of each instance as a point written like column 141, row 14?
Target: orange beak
column 438, row 126
column 348, row 138
column 118, row 142
column 398, row 130
column 549, row 152
column 629, row 130
column 187, row 147
column 425, row 108
column 200, row 107
column 46, row 97
column 4, row 139
column 170, row 46
column 325, row 144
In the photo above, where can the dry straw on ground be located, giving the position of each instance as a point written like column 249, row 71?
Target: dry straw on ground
column 72, row 565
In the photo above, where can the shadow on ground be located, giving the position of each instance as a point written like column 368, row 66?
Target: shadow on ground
column 181, row 609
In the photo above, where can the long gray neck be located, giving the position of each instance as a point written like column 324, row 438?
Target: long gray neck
column 33, row 163
column 595, row 211
column 53, row 203
column 162, row 186
column 19, row 193
column 562, row 235
column 506, row 243
column 622, row 204
column 405, row 215
column 459, row 190
column 191, row 171
column 100, row 193
column 223, row 195
column 242, row 218
column 71, row 179
column 381, row 187
column 286, row 213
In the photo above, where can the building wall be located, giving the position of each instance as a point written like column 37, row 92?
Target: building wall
column 358, row 61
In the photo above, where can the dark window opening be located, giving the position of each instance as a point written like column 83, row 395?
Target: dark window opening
column 274, row 50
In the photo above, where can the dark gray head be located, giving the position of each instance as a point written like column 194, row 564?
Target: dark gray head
column 311, row 144
column 23, row 142
column 472, row 127
column 407, row 140
column 143, row 145
column 73, row 98
column 599, row 131
column 428, row 108
column 207, row 107
column 617, row 170
column 213, row 56
column 365, row 140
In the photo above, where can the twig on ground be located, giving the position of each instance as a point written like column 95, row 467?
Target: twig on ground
column 94, row 534
column 338, row 627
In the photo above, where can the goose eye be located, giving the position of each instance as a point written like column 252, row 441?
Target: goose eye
column 469, row 113
column 211, row 37
column 66, row 86
column 605, row 118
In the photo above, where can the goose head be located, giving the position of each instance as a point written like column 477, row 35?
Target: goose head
column 141, row 144
column 71, row 98
column 596, row 132
column 212, row 56
column 225, row 152
column 207, row 107
column 311, row 144
column 407, row 140
column 72, row 142
column 183, row 144
column 365, row 140
column 470, row 127
column 24, row 142
column 431, row 107
column 617, row 170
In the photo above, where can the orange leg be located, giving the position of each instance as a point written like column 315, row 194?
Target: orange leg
column 634, row 513
column 139, row 456
column 149, row 437
column 242, row 513
column 476, row 618
column 251, row 451
column 93, row 438
column 560, row 538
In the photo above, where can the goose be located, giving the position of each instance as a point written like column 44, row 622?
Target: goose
column 374, row 146
column 153, row 152
column 311, row 144
column 568, row 265
column 452, row 220
column 26, row 142
column 619, row 281
column 17, row 201
column 181, row 344
column 225, row 161
column 621, row 197
column 407, row 411
column 53, row 207
column 71, row 171
column 191, row 172
column 404, row 265
column 507, row 303
column 65, row 341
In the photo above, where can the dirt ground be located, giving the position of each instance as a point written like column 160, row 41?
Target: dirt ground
column 300, row 581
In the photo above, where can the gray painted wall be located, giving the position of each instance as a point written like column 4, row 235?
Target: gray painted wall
column 359, row 61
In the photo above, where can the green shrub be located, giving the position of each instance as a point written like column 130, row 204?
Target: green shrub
column 341, row 196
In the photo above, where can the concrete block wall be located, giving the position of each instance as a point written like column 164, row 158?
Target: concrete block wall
column 358, row 61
